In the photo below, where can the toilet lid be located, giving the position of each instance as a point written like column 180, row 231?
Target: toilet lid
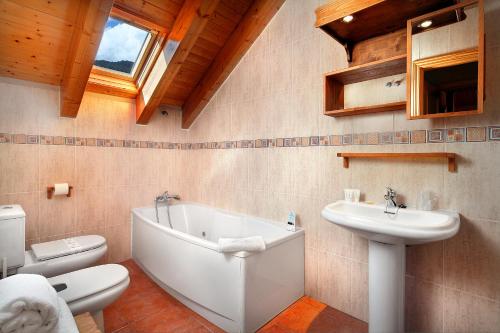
column 89, row 281
column 67, row 246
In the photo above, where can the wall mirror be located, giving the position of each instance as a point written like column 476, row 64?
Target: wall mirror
column 445, row 62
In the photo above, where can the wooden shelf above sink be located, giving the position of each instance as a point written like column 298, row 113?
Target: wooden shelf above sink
column 450, row 157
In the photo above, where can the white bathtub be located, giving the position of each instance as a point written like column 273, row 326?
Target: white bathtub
column 239, row 292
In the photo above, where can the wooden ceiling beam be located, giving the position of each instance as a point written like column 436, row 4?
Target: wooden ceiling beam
column 252, row 24
column 87, row 34
column 188, row 26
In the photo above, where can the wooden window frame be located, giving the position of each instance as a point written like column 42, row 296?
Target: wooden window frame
column 108, row 81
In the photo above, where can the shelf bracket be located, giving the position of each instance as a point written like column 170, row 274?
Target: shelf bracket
column 452, row 164
column 348, row 50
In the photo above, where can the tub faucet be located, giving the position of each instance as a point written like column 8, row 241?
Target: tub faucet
column 165, row 197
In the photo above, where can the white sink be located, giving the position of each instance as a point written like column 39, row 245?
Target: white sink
column 408, row 226
column 388, row 235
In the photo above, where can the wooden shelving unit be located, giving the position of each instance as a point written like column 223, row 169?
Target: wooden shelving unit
column 335, row 81
column 375, row 44
column 450, row 157
column 371, row 18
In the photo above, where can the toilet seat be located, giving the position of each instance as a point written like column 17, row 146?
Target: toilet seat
column 92, row 289
column 67, row 246
column 62, row 256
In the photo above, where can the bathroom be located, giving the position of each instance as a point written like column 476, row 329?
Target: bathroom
column 249, row 145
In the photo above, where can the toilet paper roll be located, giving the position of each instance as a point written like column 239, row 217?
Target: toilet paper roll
column 61, row 189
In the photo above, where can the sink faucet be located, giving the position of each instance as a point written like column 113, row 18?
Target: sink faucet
column 165, row 197
column 390, row 201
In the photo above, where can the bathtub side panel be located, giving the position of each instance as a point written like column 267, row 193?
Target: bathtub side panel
column 274, row 279
column 200, row 274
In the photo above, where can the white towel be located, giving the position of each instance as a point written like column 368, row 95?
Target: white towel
column 251, row 244
column 28, row 304
column 66, row 323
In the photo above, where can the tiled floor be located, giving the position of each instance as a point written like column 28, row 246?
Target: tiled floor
column 146, row 308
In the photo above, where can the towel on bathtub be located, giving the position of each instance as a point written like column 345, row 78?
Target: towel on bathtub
column 28, row 303
column 251, row 244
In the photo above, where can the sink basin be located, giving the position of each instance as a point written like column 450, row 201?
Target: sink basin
column 408, row 226
column 388, row 235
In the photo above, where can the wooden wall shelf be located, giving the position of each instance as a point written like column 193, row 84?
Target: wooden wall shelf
column 451, row 157
column 371, row 18
column 396, row 106
column 369, row 71
column 335, row 81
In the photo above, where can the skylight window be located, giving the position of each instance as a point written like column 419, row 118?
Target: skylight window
column 122, row 47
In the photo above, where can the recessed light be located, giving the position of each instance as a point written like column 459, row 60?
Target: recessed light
column 425, row 24
column 347, row 19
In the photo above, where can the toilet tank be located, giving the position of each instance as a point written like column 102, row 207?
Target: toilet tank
column 12, row 220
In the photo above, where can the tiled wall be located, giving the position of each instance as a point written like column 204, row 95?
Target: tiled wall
column 263, row 147
column 98, row 153
column 273, row 99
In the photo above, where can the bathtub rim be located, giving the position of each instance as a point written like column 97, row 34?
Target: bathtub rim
column 212, row 245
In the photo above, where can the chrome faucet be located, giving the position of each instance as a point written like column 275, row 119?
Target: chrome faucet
column 390, row 201
column 165, row 197
column 389, row 197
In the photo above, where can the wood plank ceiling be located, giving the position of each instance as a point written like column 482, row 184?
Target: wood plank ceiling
column 36, row 39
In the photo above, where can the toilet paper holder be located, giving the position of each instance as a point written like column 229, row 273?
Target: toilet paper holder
column 51, row 190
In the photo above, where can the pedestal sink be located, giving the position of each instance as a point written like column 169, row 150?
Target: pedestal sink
column 388, row 234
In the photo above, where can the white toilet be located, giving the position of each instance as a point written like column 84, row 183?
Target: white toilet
column 49, row 258
column 92, row 289
column 84, row 290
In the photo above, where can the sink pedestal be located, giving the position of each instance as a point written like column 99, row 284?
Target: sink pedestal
column 386, row 285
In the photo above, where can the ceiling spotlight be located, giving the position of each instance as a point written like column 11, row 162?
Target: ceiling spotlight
column 425, row 24
column 347, row 19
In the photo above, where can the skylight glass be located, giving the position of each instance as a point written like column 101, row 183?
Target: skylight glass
column 121, row 46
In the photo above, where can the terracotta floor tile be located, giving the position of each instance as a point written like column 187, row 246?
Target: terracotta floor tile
column 113, row 320
column 146, row 308
column 274, row 328
column 298, row 317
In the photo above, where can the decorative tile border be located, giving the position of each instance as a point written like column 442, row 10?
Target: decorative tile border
column 450, row 135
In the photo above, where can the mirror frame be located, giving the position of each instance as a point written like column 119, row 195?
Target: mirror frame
column 415, row 69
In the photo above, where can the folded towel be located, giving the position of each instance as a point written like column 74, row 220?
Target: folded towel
column 66, row 322
column 28, row 304
column 255, row 243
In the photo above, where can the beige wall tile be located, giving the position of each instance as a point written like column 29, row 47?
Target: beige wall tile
column 57, row 165
column 471, row 258
column 19, row 168
column 311, row 272
column 424, row 306
column 56, row 216
column 334, row 277
column 90, row 166
column 118, row 238
column 464, row 313
column 90, row 207
column 472, row 190
column 359, row 290
column 425, row 262
column 117, row 166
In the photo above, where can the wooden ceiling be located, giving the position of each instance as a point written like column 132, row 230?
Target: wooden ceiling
column 55, row 42
column 36, row 34
column 221, row 24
